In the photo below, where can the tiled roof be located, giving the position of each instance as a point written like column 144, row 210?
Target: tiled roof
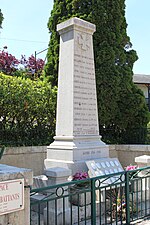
column 141, row 79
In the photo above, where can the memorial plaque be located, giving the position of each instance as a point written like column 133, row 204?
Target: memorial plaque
column 105, row 166
column 11, row 196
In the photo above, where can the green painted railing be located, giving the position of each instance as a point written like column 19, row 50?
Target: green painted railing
column 117, row 198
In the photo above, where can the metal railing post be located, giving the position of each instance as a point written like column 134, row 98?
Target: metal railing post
column 127, row 198
column 93, row 203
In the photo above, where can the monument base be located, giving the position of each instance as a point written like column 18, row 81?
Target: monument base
column 73, row 166
column 71, row 152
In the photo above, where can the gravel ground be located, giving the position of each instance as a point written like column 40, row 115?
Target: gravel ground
column 137, row 222
column 142, row 222
column 34, row 221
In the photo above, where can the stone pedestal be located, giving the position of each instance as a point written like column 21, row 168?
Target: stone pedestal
column 144, row 161
column 11, row 174
column 55, row 176
column 77, row 131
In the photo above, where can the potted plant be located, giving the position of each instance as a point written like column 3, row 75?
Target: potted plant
column 80, row 195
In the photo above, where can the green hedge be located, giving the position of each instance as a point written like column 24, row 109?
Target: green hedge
column 27, row 111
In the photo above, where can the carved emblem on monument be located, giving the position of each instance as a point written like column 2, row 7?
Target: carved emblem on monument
column 83, row 41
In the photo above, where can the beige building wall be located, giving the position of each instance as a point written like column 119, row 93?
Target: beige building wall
column 144, row 88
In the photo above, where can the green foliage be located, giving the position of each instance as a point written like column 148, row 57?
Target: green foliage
column 26, row 68
column 27, row 111
column 121, row 104
column 23, row 73
column 1, row 18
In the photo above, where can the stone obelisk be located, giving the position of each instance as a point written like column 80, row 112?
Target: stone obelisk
column 77, row 131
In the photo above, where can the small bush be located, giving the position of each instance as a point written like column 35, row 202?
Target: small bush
column 27, row 111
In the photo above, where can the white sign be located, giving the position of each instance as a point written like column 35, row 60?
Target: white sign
column 11, row 196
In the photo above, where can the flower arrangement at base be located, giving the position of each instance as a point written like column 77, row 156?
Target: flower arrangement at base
column 81, row 176
column 130, row 168
column 80, row 194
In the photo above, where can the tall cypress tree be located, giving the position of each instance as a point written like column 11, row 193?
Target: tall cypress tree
column 62, row 10
column 121, row 104
column 1, row 18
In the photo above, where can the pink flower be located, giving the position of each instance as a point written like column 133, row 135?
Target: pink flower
column 131, row 168
column 80, row 176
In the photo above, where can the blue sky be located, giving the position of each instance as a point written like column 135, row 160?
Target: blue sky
column 25, row 28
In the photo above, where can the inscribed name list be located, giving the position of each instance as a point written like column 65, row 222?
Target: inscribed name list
column 85, row 101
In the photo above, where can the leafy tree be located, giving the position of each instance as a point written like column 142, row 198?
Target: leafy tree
column 1, row 18
column 8, row 63
column 121, row 104
column 33, row 66
column 28, row 68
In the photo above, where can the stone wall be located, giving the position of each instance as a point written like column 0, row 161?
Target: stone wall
column 127, row 153
column 25, row 157
column 33, row 157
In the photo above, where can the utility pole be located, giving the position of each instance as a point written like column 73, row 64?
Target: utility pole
column 37, row 53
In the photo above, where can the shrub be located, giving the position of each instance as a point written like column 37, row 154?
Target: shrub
column 27, row 111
